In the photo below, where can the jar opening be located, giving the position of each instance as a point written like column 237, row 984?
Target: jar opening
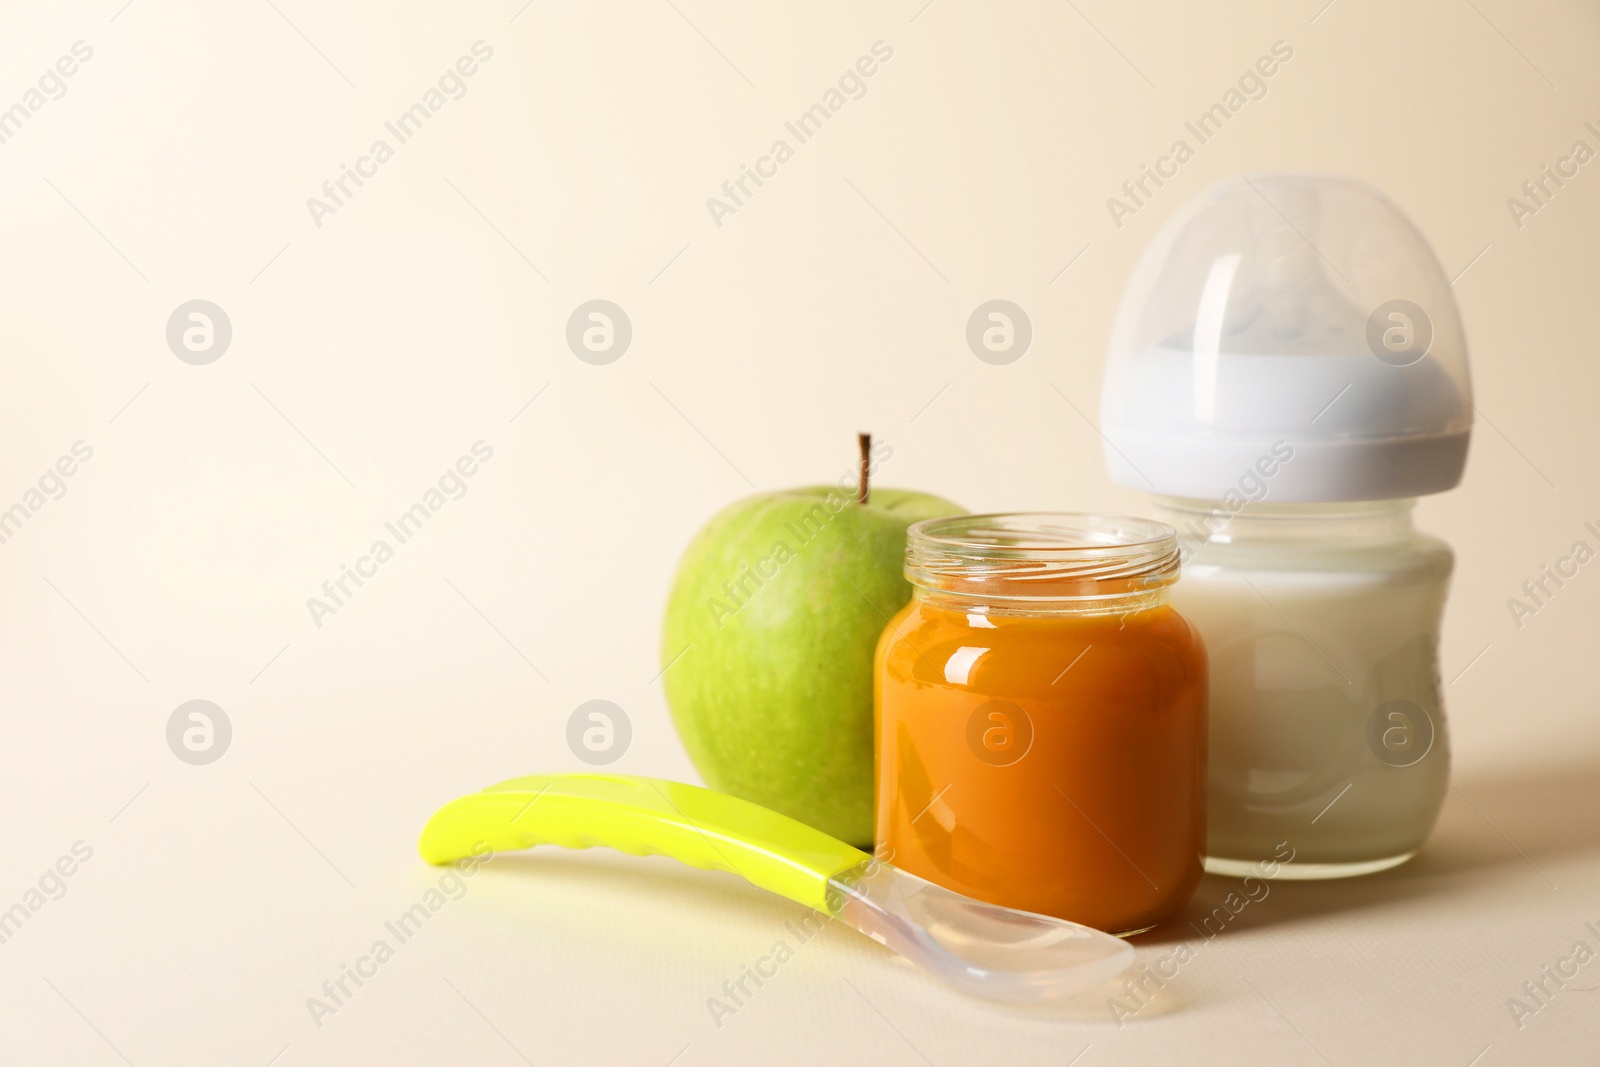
column 1039, row 557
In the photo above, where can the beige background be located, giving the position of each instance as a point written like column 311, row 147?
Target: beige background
column 370, row 352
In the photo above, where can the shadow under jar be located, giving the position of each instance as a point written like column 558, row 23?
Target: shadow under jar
column 1041, row 718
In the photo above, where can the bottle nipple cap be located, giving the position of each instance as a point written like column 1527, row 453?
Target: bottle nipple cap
column 1292, row 323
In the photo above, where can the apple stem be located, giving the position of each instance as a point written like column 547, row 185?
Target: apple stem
column 865, row 441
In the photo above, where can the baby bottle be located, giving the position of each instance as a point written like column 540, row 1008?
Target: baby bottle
column 1286, row 375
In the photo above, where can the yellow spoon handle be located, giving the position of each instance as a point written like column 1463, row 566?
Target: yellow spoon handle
column 644, row 816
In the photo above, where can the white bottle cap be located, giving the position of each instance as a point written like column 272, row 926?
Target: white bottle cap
column 1296, row 324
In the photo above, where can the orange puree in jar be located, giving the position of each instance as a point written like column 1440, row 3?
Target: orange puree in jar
column 1041, row 719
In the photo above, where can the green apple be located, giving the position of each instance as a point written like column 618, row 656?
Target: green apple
column 768, row 645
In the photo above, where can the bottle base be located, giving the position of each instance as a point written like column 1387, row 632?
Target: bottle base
column 1303, row 872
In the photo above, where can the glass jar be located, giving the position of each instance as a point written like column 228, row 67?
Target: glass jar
column 1041, row 718
column 1327, row 728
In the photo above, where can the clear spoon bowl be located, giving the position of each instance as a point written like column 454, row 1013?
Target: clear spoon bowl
column 984, row 949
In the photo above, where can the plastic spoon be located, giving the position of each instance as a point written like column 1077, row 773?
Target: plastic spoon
column 984, row 949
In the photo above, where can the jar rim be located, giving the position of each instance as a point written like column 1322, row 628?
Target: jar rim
column 1041, row 555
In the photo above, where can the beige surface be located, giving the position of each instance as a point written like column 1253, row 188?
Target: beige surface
column 376, row 349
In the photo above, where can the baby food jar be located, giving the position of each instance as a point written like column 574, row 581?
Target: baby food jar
column 1041, row 718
